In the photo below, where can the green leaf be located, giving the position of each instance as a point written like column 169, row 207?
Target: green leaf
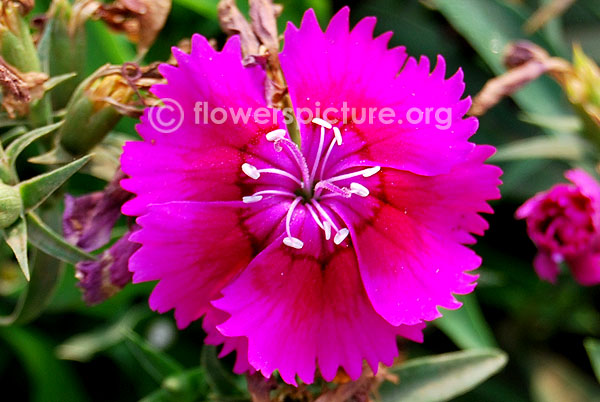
column 158, row 364
column 206, row 8
column 59, row 79
column 36, row 190
column 443, row 377
column 50, row 242
column 16, row 238
column 466, row 326
column 220, row 380
column 50, row 379
column 489, row 26
column 20, row 143
column 592, row 346
column 188, row 386
column 83, row 347
column 570, row 148
column 45, row 275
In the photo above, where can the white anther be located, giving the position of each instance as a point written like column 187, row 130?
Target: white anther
column 322, row 123
column 338, row 135
column 371, row 171
column 327, row 229
column 252, row 199
column 293, row 242
column 250, row 171
column 276, row 134
column 341, row 236
column 359, row 189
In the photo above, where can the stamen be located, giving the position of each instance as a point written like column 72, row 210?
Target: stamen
column 338, row 135
column 290, row 240
column 359, row 189
column 250, row 171
column 364, row 173
column 322, row 123
column 251, row 199
column 324, row 163
column 293, row 242
column 276, row 134
column 318, row 157
column 300, row 160
column 327, row 229
column 256, row 197
column 325, row 184
column 281, row 173
column 340, row 236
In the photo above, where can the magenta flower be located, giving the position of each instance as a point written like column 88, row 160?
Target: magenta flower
column 564, row 224
column 318, row 256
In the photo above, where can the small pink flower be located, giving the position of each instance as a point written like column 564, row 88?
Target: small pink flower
column 316, row 256
column 564, row 223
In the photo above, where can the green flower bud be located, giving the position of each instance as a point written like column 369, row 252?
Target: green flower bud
column 90, row 114
column 10, row 205
column 67, row 50
column 582, row 85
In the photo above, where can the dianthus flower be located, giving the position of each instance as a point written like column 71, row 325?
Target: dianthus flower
column 317, row 255
column 564, row 224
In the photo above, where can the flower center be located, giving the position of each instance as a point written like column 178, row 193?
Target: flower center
column 313, row 187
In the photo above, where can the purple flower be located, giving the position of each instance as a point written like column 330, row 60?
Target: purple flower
column 88, row 220
column 319, row 255
column 564, row 224
column 102, row 278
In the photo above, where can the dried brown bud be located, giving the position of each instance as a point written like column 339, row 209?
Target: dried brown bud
column 140, row 20
column 526, row 62
column 20, row 89
column 233, row 22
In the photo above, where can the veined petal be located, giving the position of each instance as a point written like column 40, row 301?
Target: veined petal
column 211, row 99
column 194, row 250
column 301, row 309
column 419, row 224
column 350, row 70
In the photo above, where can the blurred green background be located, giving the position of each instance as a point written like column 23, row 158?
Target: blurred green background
column 76, row 353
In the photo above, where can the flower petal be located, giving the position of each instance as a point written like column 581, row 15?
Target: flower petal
column 214, row 97
column 300, row 308
column 546, row 268
column 586, row 268
column 419, row 224
column 194, row 250
column 351, row 70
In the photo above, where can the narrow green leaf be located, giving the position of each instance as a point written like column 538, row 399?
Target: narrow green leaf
column 188, row 386
column 56, row 156
column 206, row 8
column 466, row 326
column 592, row 346
column 16, row 238
column 59, row 79
column 43, row 46
column 542, row 147
column 46, row 272
column 20, row 143
column 220, row 380
column 46, row 239
column 489, row 26
column 442, row 377
column 158, row 364
column 36, row 190
column 50, row 379
column 83, row 347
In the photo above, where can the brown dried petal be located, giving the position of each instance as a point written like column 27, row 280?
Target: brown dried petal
column 264, row 23
column 20, row 89
column 233, row 22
